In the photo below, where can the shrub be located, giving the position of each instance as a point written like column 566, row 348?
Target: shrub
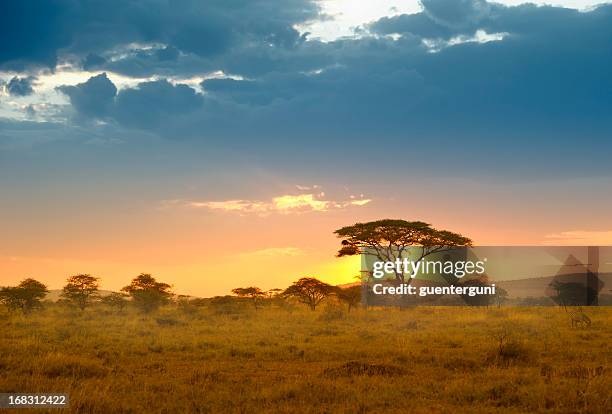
column 168, row 322
column 356, row 368
column 331, row 313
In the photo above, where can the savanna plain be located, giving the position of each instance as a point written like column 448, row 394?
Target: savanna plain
column 286, row 358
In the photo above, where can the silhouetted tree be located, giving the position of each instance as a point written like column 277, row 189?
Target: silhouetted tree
column 147, row 293
column 116, row 300
column 571, row 293
column 252, row 292
column 272, row 293
column 81, row 290
column 350, row 295
column 310, row 291
column 476, row 300
column 389, row 240
column 26, row 296
column 501, row 295
column 187, row 305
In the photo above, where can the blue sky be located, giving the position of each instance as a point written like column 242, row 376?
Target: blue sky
column 473, row 115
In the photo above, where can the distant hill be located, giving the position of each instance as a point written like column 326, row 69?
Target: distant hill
column 537, row 287
column 348, row 285
column 54, row 295
column 524, row 288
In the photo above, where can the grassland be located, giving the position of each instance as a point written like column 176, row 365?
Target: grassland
column 289, row 359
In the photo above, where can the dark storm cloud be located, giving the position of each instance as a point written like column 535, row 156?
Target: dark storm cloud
column 94, row 98
column 439, row 19
column 153, row 103
column 167, row 53
column 39, row 30
column 31, row 31
column 457, row 13
column 146, row 106
column 20, row 86
column 464, row 17
column 93, row 61
column 550, row 73
column 540, row 90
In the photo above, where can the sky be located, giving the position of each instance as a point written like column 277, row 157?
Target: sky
column 219, row 144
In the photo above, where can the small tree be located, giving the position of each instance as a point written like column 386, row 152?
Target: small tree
column 350, row 295
column 501, row 295
column 147, row 293
column 81, row 290
column 310, row 291
column 116, row 300
column 273, row 293
column 253, row 293
column 571, row 293
column 26, row 296
column 479, row 281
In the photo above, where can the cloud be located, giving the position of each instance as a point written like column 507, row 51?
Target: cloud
column 144, row 106
column 35, row 32
column 307, row 187
column 20, row 86
column 580, row 238
column 283, row 204
column 93, row 61
column 503, row 79
column 456, row 13
column 240, row 206
column 147, row 105
column 361, row 202
column 41, row 31
column 94, row 98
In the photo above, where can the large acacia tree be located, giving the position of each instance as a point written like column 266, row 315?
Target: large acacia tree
column 389, row 240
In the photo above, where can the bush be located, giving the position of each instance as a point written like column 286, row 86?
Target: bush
column 509, row 349
column 356, row 368
column 228, row 305
column 168, row 322
column 331, row 313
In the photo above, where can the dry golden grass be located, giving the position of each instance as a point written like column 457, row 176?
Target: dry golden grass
column 421, row 360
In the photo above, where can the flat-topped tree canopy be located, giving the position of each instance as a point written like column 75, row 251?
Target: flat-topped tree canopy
column 388, row 239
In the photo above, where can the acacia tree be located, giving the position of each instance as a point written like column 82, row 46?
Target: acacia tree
column 389, row 240
column 309, row 290
column 273, row 293
column 26, row 296
column 571, row 293
column 147, row 293
column 477, row 300
column 350, row 295
column 252, row 292
column 501, row 295
column 81, row 290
